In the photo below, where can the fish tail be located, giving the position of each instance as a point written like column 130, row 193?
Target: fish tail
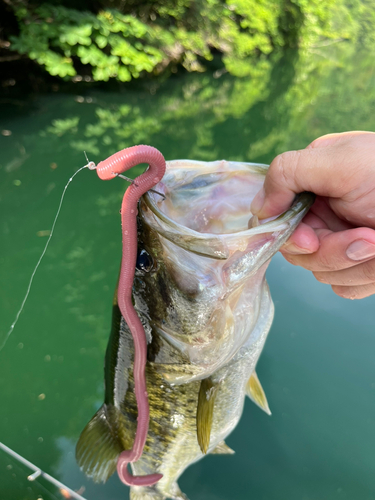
column 100, row 444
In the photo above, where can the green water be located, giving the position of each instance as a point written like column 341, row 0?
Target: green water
column 318, row 365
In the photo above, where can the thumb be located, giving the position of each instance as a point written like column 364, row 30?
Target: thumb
column 323, row 168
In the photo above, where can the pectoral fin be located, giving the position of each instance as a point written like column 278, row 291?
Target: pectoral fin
column 205, row 410
column 100, row 443
column 256, row 393
column 222, row 449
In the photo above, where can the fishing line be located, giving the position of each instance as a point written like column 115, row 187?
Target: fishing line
column 90, row 166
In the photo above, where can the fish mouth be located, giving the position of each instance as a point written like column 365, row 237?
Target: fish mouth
column 187, row 182
column 209, row 288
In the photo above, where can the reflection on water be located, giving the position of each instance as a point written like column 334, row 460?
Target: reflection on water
column 317, row 367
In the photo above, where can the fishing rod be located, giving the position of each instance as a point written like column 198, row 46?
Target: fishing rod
column 39, row 473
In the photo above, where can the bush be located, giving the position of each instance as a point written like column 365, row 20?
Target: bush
column 150, row 36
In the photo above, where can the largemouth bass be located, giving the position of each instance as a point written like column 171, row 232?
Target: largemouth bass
column 201, row 294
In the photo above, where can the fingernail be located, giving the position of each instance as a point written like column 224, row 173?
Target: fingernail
column 294, row 249
column 360, row 249
column 258, row 202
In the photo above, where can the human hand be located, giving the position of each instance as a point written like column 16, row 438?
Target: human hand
column 336, row 240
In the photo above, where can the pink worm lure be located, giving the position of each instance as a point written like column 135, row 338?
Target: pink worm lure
column 106, row 170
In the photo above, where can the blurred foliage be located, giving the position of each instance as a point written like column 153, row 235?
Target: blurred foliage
column 138, row 37
column 283, row 106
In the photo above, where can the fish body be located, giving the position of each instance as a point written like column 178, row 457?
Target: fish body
column 201, row 294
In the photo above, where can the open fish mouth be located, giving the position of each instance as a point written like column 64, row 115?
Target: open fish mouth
column 206, row 209
column 212, row 258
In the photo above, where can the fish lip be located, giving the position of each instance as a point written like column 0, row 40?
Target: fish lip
column 216, row 248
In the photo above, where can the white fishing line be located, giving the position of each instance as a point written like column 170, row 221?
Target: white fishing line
column 42, row 255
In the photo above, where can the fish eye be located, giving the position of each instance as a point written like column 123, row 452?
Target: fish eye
column 144, row 261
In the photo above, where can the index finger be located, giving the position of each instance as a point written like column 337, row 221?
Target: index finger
column 322, row 168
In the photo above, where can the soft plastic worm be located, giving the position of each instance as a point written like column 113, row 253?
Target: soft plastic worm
column 108, row 169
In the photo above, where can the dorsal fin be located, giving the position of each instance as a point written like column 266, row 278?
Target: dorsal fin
column 205, row 410
column 256, row 393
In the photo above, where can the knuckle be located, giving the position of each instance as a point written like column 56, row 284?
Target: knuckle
column 368, row 269
column 327, row 261
column 284, row 166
